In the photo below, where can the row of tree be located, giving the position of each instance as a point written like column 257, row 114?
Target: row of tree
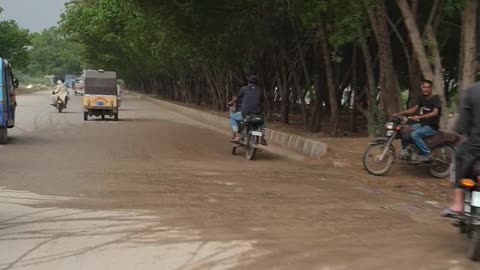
column 330, row 65
column 39, row 54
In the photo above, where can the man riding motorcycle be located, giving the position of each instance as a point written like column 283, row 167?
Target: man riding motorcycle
column 468, row 124
column 251, row 97
column 60, row 92
column 430, row 108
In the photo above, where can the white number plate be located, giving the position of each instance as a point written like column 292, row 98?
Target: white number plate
column 257, row 133
column 476, row 199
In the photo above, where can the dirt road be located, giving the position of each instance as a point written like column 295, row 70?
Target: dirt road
column 159, row 191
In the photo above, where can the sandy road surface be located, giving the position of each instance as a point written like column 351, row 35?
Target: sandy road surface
column 158, row 191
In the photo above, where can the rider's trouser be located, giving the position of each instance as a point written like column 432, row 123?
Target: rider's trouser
column 236, row 118
column 418, row 135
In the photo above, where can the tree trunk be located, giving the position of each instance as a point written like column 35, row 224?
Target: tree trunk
column 354, row 92
column 315, row 123
column 371, row 89
column 469, row 48
column 414, row 69
column 430, row 72
column 415, row 39
column 332, row 89
column 389, row 86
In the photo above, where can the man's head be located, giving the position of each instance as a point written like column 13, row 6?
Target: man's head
column 252, row 79
column 427, row 88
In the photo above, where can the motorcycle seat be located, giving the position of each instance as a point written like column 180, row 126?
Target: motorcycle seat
column 440, row 138
column 254, row 119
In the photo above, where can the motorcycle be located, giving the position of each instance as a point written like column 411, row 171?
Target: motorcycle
column 59, row 104
column 251, row 134
column 469, row 221
column 381, row 154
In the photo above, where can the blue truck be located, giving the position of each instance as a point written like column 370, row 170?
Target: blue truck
column 7, row 100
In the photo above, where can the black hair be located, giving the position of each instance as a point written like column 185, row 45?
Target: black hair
column 427, row 81
column 252, row 79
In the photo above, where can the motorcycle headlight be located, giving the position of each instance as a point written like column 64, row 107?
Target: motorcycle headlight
column 389, row 125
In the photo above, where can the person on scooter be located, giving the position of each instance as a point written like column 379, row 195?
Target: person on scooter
column 468, row 125
column 251, row 97
column 60, row 92
column 429, row 107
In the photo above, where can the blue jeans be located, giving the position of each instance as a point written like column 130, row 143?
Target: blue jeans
column 419, row 134
column 235, row 118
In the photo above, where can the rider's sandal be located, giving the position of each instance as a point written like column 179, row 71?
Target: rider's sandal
column 450, row 213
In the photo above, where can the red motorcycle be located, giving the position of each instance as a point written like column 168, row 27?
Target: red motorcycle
column 381, row 154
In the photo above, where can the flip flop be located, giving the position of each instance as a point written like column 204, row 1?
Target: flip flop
column 450, row 213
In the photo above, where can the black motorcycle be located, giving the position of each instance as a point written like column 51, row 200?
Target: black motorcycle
column 380, row 154
column 469, row 221
column 251, row 134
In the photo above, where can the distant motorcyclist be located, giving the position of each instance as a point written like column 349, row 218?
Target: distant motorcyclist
column 468, row 125
column 251, row 97
column 430, row 108
column 60, row 92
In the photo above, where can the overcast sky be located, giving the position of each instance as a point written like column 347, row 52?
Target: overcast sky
column 35, row 15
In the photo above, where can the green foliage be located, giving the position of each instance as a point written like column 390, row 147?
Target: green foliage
column 14, row 43
column 26, row 79
column 52, row 54
column 453, row 8
column 210, row 43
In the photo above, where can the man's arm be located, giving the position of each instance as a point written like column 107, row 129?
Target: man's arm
column 410, row 111
column 433, row 114
column 235, row 98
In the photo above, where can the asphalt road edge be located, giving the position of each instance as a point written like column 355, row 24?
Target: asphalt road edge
column 301, row 145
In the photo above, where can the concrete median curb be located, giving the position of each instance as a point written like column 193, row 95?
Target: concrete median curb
column 307, row 147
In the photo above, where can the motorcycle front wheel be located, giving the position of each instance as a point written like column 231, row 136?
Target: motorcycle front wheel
column 372, row 162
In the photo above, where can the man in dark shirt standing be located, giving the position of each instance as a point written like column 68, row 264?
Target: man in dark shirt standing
column 430, row 109
column 468, row 125
column 251, row 98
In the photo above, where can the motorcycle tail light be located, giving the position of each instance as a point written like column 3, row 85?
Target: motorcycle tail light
column 468, row 183
column 398, row 128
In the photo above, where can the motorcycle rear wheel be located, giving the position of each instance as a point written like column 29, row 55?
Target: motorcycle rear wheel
column 371, row 158
column 474, row 248
column 250, row 149
column 440, row 168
